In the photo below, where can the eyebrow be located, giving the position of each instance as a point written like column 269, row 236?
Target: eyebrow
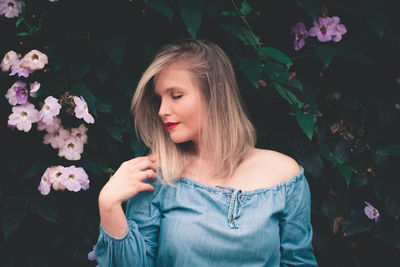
column 169, row 89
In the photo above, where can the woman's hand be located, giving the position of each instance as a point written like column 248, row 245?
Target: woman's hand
column 128, row 180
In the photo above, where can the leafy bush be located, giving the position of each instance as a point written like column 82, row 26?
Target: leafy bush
column 320, row 80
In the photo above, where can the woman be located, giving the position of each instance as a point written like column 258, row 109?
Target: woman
column 205, row 196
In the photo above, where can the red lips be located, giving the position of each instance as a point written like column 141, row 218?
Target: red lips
column 171, row 125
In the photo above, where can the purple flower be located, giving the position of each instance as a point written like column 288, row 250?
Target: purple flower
column 50, row 109
column 300, row 34
column 371, row 212
column 91, row 255
column 23, row 116
column 8, row 59
column 20, row 70
column 11, row 93
column 324, row 29
column 81, row 110
column 72, row 149
column 22, row 95
column 340, row 30
column 74, row 178
column 10, row 8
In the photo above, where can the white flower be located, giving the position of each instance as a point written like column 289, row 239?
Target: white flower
column 80, row 133
column 44, row 186
column 57, row 138
column 55, row 177
column 50, row 128
column 82, row 110
column 34, row 60
column 72, row 149
column 8, row 60
column 23, row 116
column 75, row 178
column 50, row 109
column 11, row 93
column 34, row 88
column 10, row 8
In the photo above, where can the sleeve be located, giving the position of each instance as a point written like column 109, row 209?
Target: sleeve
column 138, row 247
column 295, row 226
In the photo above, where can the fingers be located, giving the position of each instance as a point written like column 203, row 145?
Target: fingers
column 145, row 163
column 145, row 187
column 146, row 174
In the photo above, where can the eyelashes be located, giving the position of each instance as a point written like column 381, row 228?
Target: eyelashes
column 176, row 96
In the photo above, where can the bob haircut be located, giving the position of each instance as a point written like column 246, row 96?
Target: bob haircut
column 226, row 130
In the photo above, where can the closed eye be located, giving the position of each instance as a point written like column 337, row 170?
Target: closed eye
column 176, row 96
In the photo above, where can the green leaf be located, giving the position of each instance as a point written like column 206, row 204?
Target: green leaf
column 191, row 13
column 22, row 34
column 288, row 96
column 276, row 54
column 229, row 13
column 242, row 34
column 376, row 17
column 312, row 7
column 352, row 55
column 346, row 171
column 115, row 45
column 115, row 132
column 91, row 166
column 19, row 22
column 245, row 9
column 103, row 106
column 325, row 54
column 42, row 207
column 252, row 68
column 102, row 69
column 79, row 68
column 37, row 168
column 295, row 84
column 392, row 149
column 306, row 123
column 161, row 8
column 356, row 222
column 331, row 157
column 13, row 216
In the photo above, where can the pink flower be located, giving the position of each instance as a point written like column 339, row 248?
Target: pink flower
column 11, row 93
column 34, row 60
column 72, row 149
column 23, row 116
column 44, row 186
column 50, row 128
column 50, row 109
column 8, row 59
column 22, row 95
column 57, row 138
column 323, row 29
column 75, row 178
column 17, row 68
column 340, row 30
column 33, row 89
column 10, row 8
column 82, row 110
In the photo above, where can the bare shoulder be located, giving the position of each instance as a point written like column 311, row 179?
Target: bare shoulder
column 276, row 167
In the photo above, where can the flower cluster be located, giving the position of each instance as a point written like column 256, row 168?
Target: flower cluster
column 34, row 60
column 61, row 178
column 326, row 29
column 10, row 8
column 68, row 140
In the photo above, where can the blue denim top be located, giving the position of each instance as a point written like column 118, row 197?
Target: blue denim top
column 192, row 224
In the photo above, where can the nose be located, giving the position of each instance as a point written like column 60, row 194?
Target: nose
column 164, row 110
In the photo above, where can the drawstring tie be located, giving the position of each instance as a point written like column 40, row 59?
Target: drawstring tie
column 235, row 208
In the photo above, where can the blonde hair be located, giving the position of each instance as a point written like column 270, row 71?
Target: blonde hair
column 226, row 129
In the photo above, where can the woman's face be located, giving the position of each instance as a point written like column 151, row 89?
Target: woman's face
column 181, row 103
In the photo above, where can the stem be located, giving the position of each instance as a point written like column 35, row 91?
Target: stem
column 247, row 24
